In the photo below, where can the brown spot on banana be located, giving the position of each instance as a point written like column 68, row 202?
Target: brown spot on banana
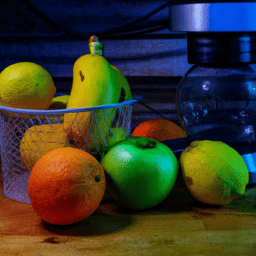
column 81, row 75
column 189, row 181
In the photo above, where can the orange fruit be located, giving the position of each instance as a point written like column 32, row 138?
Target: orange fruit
column 66, row 185
column 159, row 129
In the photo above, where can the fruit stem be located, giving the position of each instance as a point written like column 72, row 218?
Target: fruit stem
column 96, row 47
column 145, row 144
column 151, row 145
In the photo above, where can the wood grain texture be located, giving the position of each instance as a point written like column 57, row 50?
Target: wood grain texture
column 177, row 226
column 147, row 57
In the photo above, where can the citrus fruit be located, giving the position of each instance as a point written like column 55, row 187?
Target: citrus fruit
column 26, row 85
column 38, row 140
column 116, row 134
column 140, row 172
column 159, row 129
column 59, row 102
column 213, row 172
column 66, row 185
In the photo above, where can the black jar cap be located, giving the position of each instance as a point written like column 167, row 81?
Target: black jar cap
column 221, row 47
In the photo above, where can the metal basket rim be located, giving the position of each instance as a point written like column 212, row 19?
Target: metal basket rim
column 64, row 111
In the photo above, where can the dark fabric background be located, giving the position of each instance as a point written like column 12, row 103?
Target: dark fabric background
column 77, row 18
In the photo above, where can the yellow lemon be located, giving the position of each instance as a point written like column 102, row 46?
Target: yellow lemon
column 59, row 102
column 40, row 139
column 26, row 85
column 213, row 172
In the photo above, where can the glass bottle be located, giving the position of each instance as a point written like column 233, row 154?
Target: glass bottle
column 219, row 101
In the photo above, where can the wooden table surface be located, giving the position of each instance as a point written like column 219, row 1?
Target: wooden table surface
column 177, row 226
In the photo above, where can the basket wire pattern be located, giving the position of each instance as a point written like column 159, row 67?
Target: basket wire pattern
column 28, row 134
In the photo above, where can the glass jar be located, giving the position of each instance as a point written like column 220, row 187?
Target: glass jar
column 219, row 100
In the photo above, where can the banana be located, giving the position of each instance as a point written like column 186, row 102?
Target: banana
column 95, row 83
column 123, row 83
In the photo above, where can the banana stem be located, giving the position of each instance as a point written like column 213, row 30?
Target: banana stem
column 96, row 47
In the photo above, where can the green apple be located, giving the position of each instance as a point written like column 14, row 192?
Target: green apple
column 141, row 172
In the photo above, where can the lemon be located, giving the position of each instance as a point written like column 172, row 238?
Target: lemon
column 26, row 85
column 59, row 102
column 40, row 139
column 213, row 172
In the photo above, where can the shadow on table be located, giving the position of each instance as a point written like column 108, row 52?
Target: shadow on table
column 180, row 200
column 177, row 201
column 96, row 224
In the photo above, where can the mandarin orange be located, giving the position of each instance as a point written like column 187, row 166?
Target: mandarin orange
column 66, row 185
column 159, row 129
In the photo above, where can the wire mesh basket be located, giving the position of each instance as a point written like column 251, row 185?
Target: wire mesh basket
column 26, row 135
